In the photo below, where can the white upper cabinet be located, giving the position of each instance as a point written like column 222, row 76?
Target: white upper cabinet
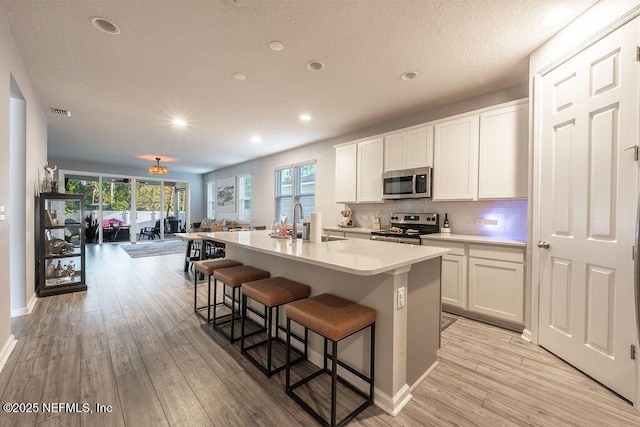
column 455, row 163
column 420, row 147
column 359, row 171
column 346, row 173
column 477, row 155
column 482, row 155
column 409, row 149
column 370, row 166
column 503, row 153
column 395, row 151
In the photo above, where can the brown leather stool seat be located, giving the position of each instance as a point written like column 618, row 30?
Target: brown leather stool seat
column 333, row 318
column 208, row 267
column 233, row 277
column 271, row 293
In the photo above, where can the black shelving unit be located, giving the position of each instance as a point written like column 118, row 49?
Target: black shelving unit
column 60, row 244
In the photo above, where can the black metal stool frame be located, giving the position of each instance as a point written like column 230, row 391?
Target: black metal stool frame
column 289, row 388
column 197, row 310
column 218, row 321
column 302, row 355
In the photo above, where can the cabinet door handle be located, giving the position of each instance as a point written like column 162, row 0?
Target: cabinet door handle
column 543, row 245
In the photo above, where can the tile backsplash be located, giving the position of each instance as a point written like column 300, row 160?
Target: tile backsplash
column 510, row 215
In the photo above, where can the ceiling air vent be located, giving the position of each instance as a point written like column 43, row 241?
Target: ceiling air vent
column 61, row 112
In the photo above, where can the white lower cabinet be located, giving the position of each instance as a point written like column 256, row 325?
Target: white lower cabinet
column 453, row 279
column 453, row 274
column 483, row 279
column 496, row 288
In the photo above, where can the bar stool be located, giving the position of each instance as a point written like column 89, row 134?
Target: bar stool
column 333, row 318
column 233, row 278
column 272, row 293
column 208, row 267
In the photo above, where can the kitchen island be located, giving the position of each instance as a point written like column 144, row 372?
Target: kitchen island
column 401, row 282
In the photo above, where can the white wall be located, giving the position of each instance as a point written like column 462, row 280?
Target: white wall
column 36, row 148
column 262, row 170
column 17, row 201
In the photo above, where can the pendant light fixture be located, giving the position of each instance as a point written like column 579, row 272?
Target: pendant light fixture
column 157, row 169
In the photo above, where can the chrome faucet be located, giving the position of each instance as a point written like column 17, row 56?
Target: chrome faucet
column 294, row 227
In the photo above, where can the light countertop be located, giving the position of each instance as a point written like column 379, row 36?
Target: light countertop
column 354, row 256
column 465, row 238
column 358, row 230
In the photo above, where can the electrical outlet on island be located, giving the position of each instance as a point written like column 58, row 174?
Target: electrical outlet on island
column 365, row 217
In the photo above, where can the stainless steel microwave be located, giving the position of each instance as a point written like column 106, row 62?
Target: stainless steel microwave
column 407, row 184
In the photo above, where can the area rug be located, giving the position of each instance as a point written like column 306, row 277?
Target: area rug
column 446, row 321
column 140, row 250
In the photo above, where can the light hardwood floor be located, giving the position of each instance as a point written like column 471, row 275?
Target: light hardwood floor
column 131, row 341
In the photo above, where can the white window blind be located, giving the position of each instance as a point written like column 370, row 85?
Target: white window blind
column 211, row 199
column 295, row 184
column 244, row 197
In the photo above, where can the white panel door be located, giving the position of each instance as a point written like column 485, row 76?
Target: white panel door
column 455, row 162
column 420, row 147
column 588, row 193
column 395, row 151
column 504, row 145
column 346, row 159
column 370, row 164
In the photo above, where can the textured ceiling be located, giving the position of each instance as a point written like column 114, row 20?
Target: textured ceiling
column 177, row 58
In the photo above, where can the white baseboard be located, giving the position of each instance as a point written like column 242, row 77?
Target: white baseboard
column 7, row 348
column 527, row 335
column 425, row 375
column 25, row 310
column 392, row 405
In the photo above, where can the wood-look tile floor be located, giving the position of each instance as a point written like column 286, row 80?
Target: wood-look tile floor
column 132, row 342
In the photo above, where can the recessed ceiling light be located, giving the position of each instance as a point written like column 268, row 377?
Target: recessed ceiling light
column 315, row 66
column 179, row 122
column 239, row 76
column 556, row 17
column 276, row 45
column 256, row 139
column 305, row 117
column 104, row 25
column 409, row 75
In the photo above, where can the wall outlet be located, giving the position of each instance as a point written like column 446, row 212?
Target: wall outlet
column 485, row 221
column 401, row 297
column 365, row 217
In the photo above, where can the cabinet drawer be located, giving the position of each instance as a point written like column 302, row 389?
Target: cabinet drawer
column 456, row 248
column 501, row 253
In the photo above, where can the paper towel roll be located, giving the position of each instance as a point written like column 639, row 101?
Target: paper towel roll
column 316, row 227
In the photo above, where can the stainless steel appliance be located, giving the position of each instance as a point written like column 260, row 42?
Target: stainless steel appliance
column 408, row 227
column 407, row 184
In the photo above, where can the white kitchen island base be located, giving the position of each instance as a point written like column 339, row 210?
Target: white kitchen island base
column 407, row 337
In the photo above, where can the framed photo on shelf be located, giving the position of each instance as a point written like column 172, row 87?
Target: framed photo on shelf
column 226, row 195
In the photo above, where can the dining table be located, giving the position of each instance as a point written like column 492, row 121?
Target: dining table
column 191, row 238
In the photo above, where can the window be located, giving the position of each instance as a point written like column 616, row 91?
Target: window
column 244, row 197
column 211, row 199
column 295, row 184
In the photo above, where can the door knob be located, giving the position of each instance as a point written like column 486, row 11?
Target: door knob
column 544, row 245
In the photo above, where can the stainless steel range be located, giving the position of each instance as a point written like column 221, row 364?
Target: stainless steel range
column 408, row 227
